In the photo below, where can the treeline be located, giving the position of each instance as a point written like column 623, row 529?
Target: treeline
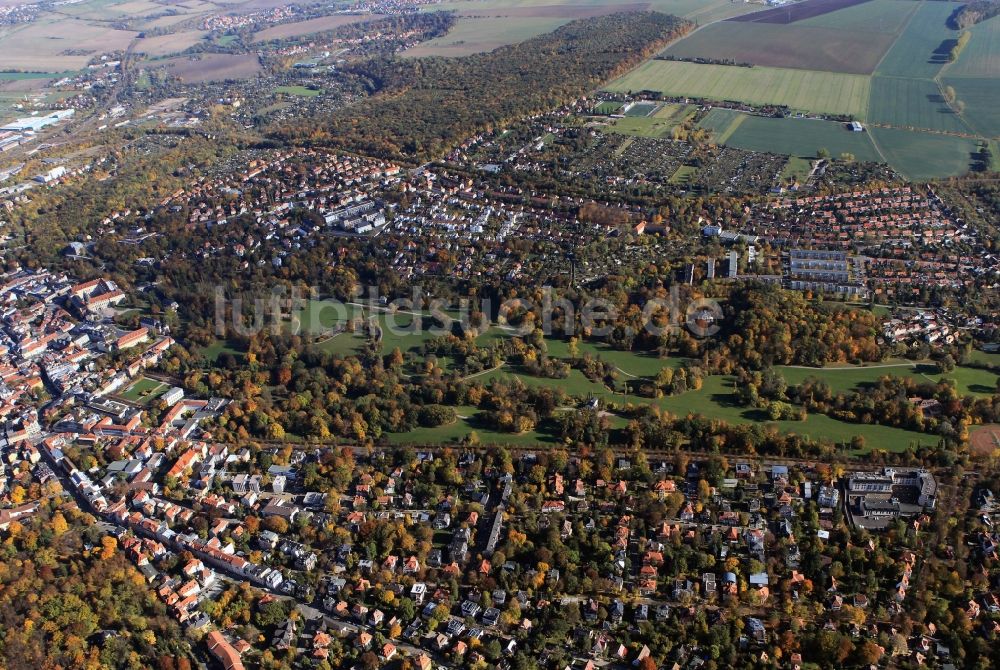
column 960, row 44
column 972, row 13
column 423, row 107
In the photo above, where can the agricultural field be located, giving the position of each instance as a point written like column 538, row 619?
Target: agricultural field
column 57, row 44
column 210, row 67
column 722, row 123
column 786, row 46
column 164, row 45
column 469, row 36
column 920, row 155
column 912, row 103
column 308, row 27
column 981, row 56
column 817, row 92
column 793, row 137
column 922, row 48
column 484, row 25
column 976, row 78
column 883, row 62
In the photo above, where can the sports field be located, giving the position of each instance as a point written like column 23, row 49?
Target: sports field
column 641, row 109
column 817, row 92
column 659, row 124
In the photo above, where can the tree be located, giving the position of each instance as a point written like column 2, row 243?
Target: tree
column 109, row 547
column 59, row 525
column 647, row 663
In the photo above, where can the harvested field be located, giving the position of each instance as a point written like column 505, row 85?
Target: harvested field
column 309, row 27
column 557, row 11
column 799, row 47
column 163, row 45
column 57, row 45
column 984, row 441
column 797, row 11
column 210, row 67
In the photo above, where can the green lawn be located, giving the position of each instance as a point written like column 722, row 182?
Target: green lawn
column 217, row 348
column 813, row 91
column 984, row 357
column 144, row 390
column 301, row 91
column 969, row 381
column 715, row 400
column 466, row 424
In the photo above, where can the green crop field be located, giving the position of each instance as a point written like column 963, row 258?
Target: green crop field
column 880, row 16
column 801, row 137
column 920, row 155
column 914, row 52
column 912, row 103
column 819, row 92
column 981, row 56
column 980, row 96
column 722, row 123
